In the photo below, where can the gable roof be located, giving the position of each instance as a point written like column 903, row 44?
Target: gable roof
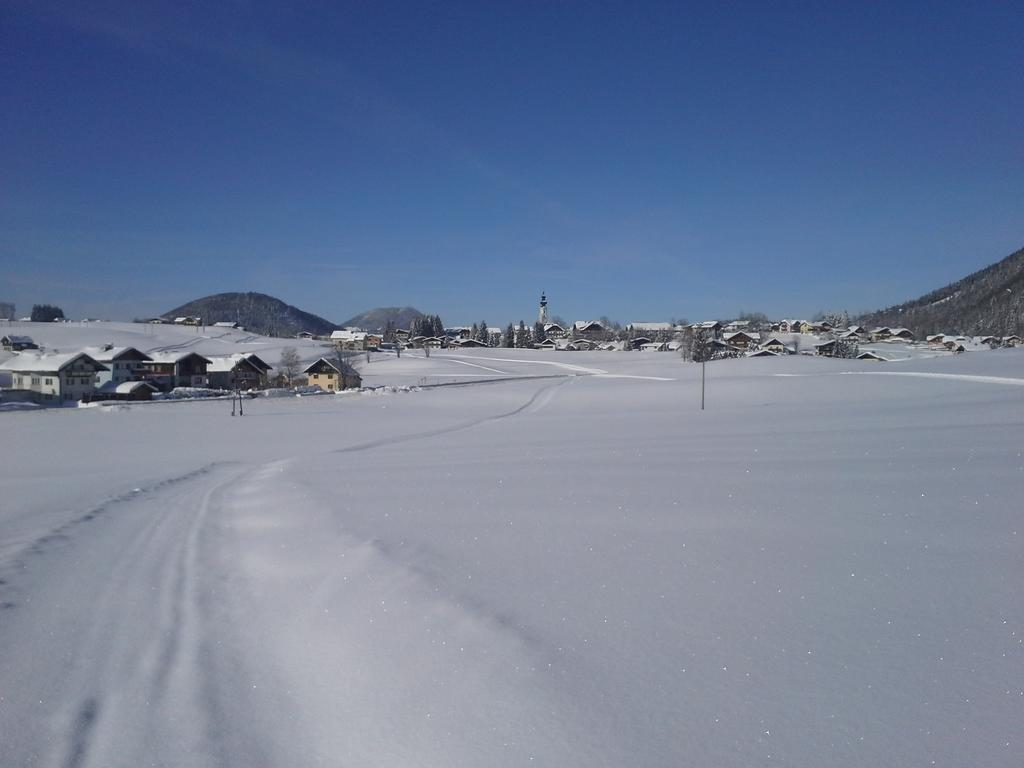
column 110, row 354
column 49, row 363
column 176, row 357
column 230, row 363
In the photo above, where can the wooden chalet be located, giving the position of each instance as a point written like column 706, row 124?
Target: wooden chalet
column 333, row 376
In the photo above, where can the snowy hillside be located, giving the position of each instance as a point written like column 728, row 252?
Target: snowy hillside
column 571, row 566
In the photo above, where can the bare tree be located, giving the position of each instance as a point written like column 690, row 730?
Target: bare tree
column 289, row 363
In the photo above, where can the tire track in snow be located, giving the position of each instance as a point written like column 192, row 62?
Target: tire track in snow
column 536, row 402
column 125, row 640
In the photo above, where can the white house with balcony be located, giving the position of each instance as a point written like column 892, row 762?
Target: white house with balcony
column 54, row 379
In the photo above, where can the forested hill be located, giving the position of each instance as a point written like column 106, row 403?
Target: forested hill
column 257, row 312
column 376, row 319
column 989, row 301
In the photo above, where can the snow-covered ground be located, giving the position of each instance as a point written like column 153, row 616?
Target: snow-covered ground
column 570, row 566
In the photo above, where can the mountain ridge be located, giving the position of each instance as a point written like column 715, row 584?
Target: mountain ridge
column 989, row 301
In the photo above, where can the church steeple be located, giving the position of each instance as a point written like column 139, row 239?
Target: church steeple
column 542, row 316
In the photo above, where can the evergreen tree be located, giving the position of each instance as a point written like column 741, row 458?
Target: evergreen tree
column 509, row 340
column 474, row 332
column 45, row 313
column 539, row 334
column 483, row 335
column 522, row 336
column 389, row 331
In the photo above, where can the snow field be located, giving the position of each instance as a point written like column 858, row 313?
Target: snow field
column 818, row 569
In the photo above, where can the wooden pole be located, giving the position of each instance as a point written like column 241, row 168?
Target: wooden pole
column 703, row 366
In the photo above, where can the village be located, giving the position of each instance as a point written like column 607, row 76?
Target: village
column 32, row 374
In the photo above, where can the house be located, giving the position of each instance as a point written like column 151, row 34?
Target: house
column 234, row 372
column 168, row 370
column 1011, row 341
column 228, row 324
column 881, row 334
column 305, row 335
column 588, row 329
column 349, row 338
column 546, row 344
column 126, row 390
column 936, row 340
column 849, row 336
column 763, row 353
column 774, row 344
column 654, row 346
column 722, row 348
column 826, row 349
column 739, row 339
column 18, row 343
column 332, row 376
column 638, row 341
column 901, row 333
column 860, row 330
column 123, row 363
column 709, row 326
column 264, row 367
column 54, row 379
column 429, row 342
column 554, row 331
column 871, row 356
column 188, row 320
column 586, row 345
column 467, row 343
column 801, row 326
column 954, row 346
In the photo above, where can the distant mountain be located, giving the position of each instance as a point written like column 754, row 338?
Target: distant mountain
column 257, row 312
column 376, row 319
column 989, row 301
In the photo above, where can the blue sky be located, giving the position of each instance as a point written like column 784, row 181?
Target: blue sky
column 643, row 161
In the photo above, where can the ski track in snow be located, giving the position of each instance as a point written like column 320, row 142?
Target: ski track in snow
column 161, row 672
column 536, row 402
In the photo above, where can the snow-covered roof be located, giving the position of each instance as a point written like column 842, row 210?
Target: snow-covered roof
column 174, row 357
column 348, row 334
column 584, row 325
column 124, row 388
column 19, row 339
column 730, row 336
column 109, row 354
column 227, row 363
column 48, row 363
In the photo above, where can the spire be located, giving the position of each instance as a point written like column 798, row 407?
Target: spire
column 542, row 316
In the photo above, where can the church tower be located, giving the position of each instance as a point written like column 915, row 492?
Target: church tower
column 542, row 316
